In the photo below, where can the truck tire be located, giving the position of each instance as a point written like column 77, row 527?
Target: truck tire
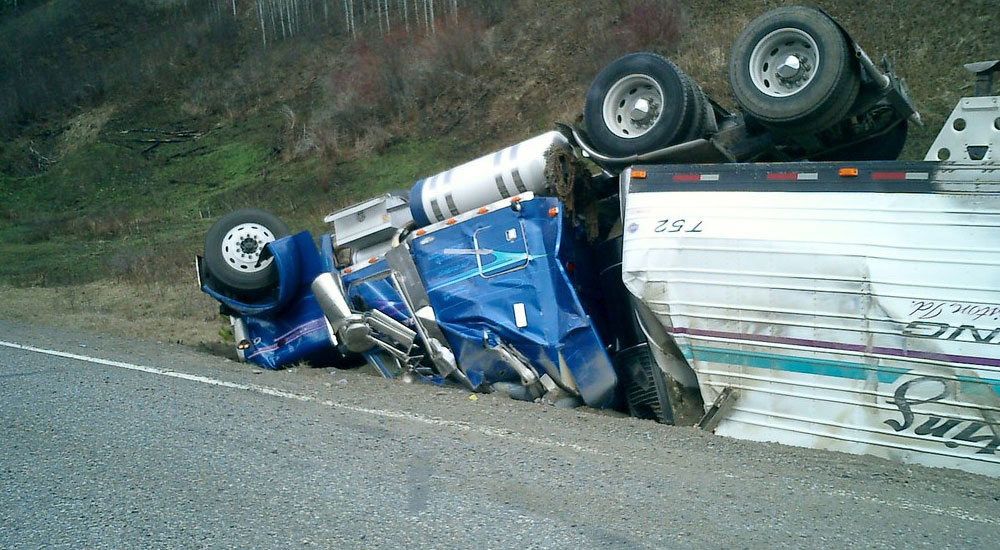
column 232, row 251
column 645, row 386
column 793, row 70
column 702, row 116
column 639, row 103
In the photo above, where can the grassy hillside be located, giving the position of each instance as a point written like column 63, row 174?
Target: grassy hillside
column 127, row 127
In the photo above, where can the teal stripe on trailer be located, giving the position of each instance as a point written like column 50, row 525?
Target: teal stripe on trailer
column 819, row 367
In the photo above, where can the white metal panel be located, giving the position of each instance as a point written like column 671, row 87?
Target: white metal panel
column 858, row 322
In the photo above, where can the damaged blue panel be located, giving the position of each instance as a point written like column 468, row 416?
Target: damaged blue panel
column 371, row 288
column 299, row 333
column 288, row 325
column 499, row 279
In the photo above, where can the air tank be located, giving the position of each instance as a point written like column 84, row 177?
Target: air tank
column 511, row 171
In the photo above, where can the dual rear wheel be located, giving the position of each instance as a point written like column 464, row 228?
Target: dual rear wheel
column 793, row 70
column 643, row 102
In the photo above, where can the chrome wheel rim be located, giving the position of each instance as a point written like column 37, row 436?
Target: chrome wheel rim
column 242, row 245
column 784, row 62
column 632, row 106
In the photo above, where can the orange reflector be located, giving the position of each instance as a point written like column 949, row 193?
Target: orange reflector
column 482, row 210
column 451, row 221
column 348, row 270
column 848, row 172
column 553, row 212
column 421, row 232
column 638, row 174
column 372, row 260
column 516, row 199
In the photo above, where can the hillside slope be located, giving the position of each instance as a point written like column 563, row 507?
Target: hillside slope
column 127, row 127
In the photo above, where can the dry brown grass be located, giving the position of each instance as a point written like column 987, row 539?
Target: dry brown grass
column 161, row 312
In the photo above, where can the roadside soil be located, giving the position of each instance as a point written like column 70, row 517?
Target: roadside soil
column 163, row 312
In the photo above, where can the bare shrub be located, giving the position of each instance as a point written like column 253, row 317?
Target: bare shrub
column 106, row 225
column 132, row 263
column 373, row 140
column 390, row 78
column 149, row 263
column 650, row 25
column 641, row 25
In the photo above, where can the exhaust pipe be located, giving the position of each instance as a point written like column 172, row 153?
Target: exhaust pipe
column 331, row 300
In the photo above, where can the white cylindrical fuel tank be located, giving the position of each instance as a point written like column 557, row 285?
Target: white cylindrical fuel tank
column 514, row 170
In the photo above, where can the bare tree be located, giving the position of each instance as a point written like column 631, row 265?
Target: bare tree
column 270, row 11
column 281, row 18
column 349, row 16
column 260, row 17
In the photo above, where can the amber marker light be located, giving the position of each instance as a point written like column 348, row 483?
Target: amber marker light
column 451, row 221
column 639, row 174
column 553, row 212
column 848, row 172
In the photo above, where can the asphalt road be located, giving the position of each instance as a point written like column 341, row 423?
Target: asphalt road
column 158, row 446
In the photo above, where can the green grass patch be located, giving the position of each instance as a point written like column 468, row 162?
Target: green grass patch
column 107, row 210
column 399, row 167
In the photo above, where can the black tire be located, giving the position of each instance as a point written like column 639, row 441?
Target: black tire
column 645, row 386
column 676, row 112
column 815, row 99
column 885, row 146
column 237, row 270
column 700, row 113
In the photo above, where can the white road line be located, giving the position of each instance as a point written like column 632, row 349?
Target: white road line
column 383, row 413
column 953, row 512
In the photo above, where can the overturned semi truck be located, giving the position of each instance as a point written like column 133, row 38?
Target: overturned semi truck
column 771, row 273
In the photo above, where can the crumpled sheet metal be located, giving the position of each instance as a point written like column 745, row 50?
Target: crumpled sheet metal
column 287, row 326
column 517, row 294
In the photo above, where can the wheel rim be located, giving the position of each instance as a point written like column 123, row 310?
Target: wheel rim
column 632, row 106
column 242, row 245
column 784, row 62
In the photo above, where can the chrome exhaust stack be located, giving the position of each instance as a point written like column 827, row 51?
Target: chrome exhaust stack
column 331, row 300
column 361, row 332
